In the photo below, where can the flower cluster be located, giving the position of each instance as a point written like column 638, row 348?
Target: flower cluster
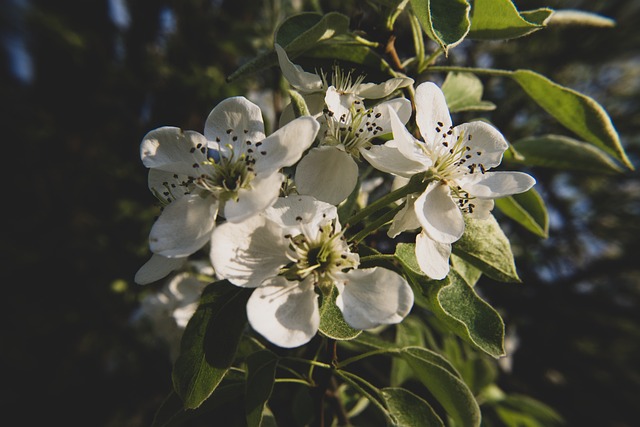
column 226, row 189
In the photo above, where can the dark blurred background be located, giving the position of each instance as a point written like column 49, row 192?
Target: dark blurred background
column 81, row 83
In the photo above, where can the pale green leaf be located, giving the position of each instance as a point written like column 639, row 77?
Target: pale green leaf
column 209, row 342
column 444, row 21
column 564, row 153
column 467, row 315
column 527, row 209
column 408, row 409
column 501, row 20
column 577, row 112
column 261, row 370
column 463, row 92
column 445, row 384
column 332, row 322
column 485, row 246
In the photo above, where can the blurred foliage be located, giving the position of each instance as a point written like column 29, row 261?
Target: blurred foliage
column 79, row 217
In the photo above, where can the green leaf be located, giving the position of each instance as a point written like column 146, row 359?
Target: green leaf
column 210, row 342
column 527, row 209
column 409, row 410
column 577, row 112
column 501, row 20
column 444, row 21
column 463, row 92
column 445, row 384
column 467, row 315
column 409, row 333
column 303, row 31
column 344, row 51
column 485, row 246
column 332, row 322
column 466, row 271
column 564, row 153
column 296, row 34
column 173, row 414
column 261, row 370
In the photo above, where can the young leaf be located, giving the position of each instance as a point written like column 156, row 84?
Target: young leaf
column 299, row 104
column 528, row 210
column 467, row 315
column 463, row 92
column 445, row 384
column 577, row 112
column 261, row 370
column 485, row 246
column 564, row 153
column 408, row 409
column 444, row 21
column 500, row 20
column 580, row 17
column 210, row 342
column 332, row 322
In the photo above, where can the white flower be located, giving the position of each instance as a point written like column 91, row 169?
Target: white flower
column 330, row 172
column 170, row 309
column 457, row 160
column 313, row 87
column 293, row 252
column 233, row 169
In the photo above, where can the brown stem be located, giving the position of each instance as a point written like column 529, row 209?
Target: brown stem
column 390, row 49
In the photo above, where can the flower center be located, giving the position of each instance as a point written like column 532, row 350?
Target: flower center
column 228, row 174
column 321, row 256
column 353, row 129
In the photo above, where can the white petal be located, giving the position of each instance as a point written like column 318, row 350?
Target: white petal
column 184, row 226
column 327, row 173
column 157, row 268
column 173, row 150
column 483, row 138
column 374, row 296
column 232, row 123
column 286, row 313
column 432, row 256
column 263, row 193
column 286, row 145
column 377, row 91
column 248, row 252
column 401, row 106
column 406, row 143
column 404, row 220
column 432, row 113
column 169, row 186
column 290, row 212
column 295, row 75
column 388, row 158
column 492, row 185
column 340, row 104
column 438, row 214
column 481, row 208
